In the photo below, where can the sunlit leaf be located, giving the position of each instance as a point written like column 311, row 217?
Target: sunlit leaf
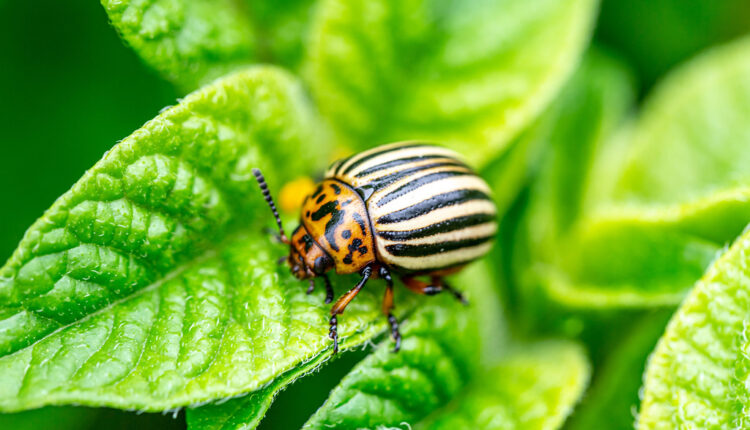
column 533, row 387
column 150, row 285
column 470, row 73
column 192, row 42
column 697, row 376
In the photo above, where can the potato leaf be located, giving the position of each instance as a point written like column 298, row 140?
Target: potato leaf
column 438, row 357
column 444, row 344
column 572, row 132
column 697, row 376
column 192, row 42
column 471, row 73
column 534, row 387
column 149, row 284
column 680, row 196
column 615, row 391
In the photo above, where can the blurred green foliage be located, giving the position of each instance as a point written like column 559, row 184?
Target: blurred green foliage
column 71, row 89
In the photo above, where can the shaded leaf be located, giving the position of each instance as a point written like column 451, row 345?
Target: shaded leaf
column 535, row 386
column 571, row 134
column 697, row 376
column 62, row 418
column 679, row 192
column 149, row 285
column 471, row 74
column 614, row 395
column 656, row 35
column 192, row 42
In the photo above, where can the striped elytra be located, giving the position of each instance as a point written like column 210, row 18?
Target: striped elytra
column 412, row 209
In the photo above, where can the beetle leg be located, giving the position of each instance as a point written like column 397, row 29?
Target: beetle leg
column 446, row 286
column 340, row 305
column 437, row 285
column 421, row 287
column 311, row 288
column 329, row 288
column 388, row 307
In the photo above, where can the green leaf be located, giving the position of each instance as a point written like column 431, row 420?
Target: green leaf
column 59, row 418
column 571, row 134
column 656, row 35
column 192, row 42
column 471, row 73
column 438, row 357
column 614, row 394
column 697, row 376
column 443, row 345
column 149, row 285
column 246, row 412
column 535, row 386
column 680, row 191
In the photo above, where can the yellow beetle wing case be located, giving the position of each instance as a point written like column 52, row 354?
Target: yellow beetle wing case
column 428, row 209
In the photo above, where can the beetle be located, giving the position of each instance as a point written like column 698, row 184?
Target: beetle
column 409, row 209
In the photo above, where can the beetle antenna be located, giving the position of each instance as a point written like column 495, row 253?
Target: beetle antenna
column 267, row 195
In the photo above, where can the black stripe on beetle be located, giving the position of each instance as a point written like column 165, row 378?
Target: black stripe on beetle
column 436, row 202
column 404, row 250
column 373, row 155
column 445, row 226
column 413, row 185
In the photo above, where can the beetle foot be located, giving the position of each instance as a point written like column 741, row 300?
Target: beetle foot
column 395, row 333
column 333, row 333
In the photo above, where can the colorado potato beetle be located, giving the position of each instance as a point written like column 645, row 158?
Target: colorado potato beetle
column 408, row 209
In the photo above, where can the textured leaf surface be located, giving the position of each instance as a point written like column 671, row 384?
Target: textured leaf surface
column 438, row 357
column 149, row 284
column 444, row 344
column 697, row 377
column 192, row 42
column 680, row 195
column 470, row 73
column 534, row 387
column 445, row 348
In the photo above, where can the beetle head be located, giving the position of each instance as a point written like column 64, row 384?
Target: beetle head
column 306, row 258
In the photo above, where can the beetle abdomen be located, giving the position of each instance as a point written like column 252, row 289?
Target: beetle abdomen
column 428, row 209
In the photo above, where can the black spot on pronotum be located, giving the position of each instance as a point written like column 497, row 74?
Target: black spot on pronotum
column 336, row 189
column 354, row 246
column 346, row 234
column 356, row 243
column 320, row 198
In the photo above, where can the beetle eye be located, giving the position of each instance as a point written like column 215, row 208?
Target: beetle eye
column 320, row 265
